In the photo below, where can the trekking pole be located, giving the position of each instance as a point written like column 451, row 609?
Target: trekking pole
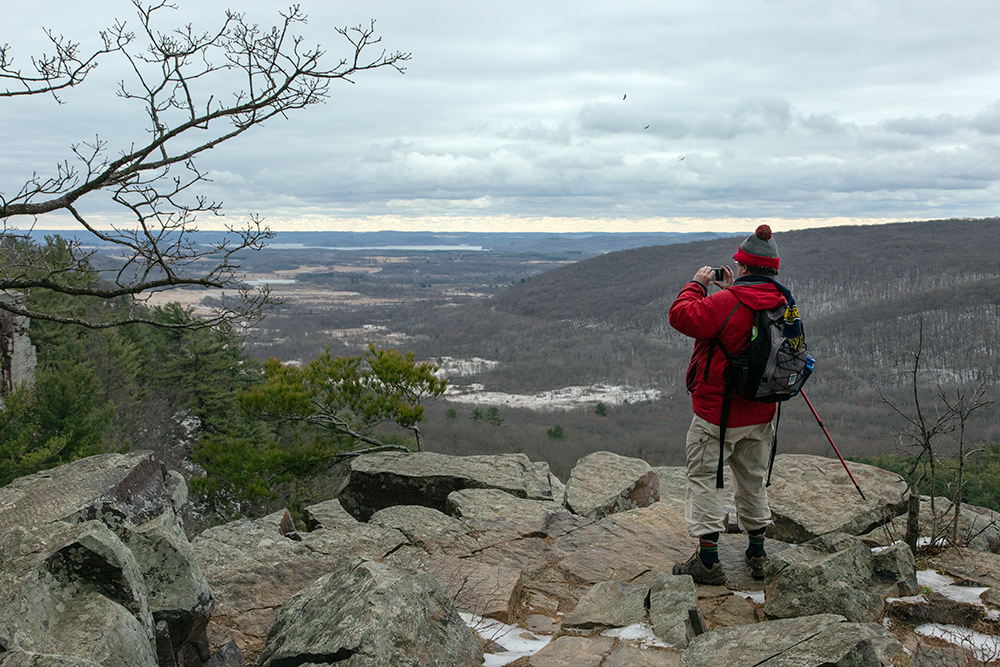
column 820, row 422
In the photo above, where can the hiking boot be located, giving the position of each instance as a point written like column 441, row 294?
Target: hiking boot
column 756, row 564
column 711, row 576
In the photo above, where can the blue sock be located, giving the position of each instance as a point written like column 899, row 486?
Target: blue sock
column 708, row 549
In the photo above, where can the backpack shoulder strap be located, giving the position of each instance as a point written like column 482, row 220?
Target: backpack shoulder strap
column 727, row 393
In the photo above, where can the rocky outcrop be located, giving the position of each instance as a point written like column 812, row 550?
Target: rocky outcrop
column 811, row 496
column 17, row 354
column 99, row 539
column 604, row 483
column 105, row 552
column 392, row 617
column 381, row 480
column 825, row 640
column 837, row 574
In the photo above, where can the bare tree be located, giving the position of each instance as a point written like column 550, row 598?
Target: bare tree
column 920, row 436
column 183, row 79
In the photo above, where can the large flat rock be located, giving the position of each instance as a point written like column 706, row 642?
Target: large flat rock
column 112, row 488
column 385, row 479
column 811, row 496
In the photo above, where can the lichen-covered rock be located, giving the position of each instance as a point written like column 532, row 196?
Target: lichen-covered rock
column 895, row 568
column 32, row 659
column 371, row 614
column 385, row 479
column 605, row 483
column 136, row 498
column 74, row 591
column 178, row 594
column 833, row 574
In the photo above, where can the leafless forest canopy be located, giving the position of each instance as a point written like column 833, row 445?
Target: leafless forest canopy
column 557, row 311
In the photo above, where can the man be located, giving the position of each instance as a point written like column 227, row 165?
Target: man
column 720, row 321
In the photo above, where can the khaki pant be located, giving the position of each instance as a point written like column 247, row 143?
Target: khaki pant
column 747, row 451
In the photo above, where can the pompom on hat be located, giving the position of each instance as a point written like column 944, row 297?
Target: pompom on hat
column 759, row 249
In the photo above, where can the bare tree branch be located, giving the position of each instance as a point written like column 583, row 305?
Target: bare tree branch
column 182, row 78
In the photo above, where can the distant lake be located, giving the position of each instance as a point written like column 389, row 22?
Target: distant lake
column 414, row 248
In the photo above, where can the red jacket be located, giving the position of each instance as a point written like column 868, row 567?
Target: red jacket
column 695, row 314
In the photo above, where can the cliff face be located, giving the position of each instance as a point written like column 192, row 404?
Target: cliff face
column 17, row 354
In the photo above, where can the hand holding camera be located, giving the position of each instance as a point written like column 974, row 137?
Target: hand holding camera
column 707, row 276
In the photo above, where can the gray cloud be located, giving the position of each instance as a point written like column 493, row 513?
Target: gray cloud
column 731, row 109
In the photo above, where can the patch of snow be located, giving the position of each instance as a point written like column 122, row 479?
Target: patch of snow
column 946, row 586
column 984, row 647
column 639, row 632
column 756, row 596
column 517, row 642
column 451, row 367
column 567, row 398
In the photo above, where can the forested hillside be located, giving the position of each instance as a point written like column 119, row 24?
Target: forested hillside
column 864, row 293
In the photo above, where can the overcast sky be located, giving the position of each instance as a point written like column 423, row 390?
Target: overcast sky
column 516, row 116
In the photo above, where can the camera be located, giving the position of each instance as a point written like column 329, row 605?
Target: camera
column 720, row 275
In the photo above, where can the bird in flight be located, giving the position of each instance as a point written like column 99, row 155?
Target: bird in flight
column 646, row 128
column 624, row 96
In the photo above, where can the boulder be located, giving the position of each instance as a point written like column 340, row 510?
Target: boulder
column 74, row 591
column 112, row 488
column 573, row 553
column 179, row 596
column 895, row 570
column 429, row 529
column 991, row 597
column 936, row 608
column 326, row 514
column 825, row 640
column 833, row 574
column 135, row 498
column 369, row 614
column 604, row 483
column 812, row 496
column 384, row 479
column 609, row 604
column 938, row 656
column 674, row 612
column 722, row 609
column 253, row 569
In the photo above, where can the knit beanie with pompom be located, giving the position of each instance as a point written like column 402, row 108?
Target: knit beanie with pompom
column 759, row 250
